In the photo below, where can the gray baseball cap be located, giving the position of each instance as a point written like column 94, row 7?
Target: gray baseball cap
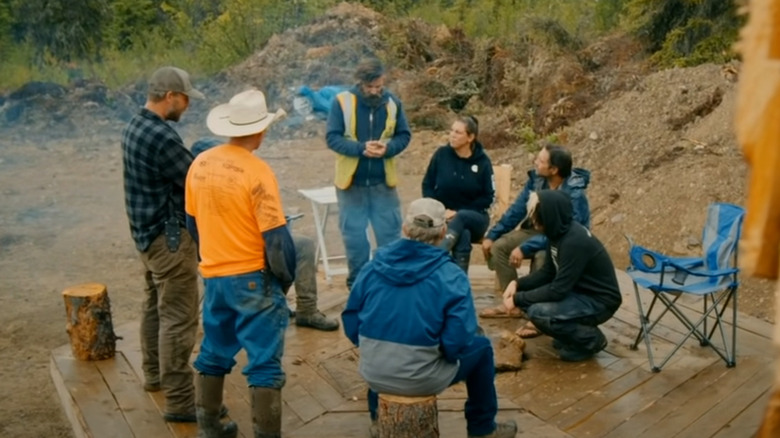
column 173, row 79
column 426, row 213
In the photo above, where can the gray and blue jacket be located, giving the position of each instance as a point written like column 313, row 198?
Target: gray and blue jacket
column 411, row 313
column 574, row 186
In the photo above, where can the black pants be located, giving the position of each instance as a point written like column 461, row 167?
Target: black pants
column 470, row 226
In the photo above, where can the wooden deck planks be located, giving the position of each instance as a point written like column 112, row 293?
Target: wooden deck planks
column 584, row 408
column 548, row 400
column 707, row 398
column 610, row 416
column 747, row 420
column 613, row 396
column 91, row 406
column 654, row 411
column 142, row 416
column 725, row 410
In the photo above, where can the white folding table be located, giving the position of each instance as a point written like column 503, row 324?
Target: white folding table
column 321, row 200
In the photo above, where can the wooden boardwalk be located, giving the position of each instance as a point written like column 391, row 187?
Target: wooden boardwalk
column 614, row 395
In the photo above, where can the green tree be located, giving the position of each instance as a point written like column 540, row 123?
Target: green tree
column 131, row 20
column 65, row 29
column 653, row 20
column 608, row 13
column 244, row 26
column 6, row 23
column 686, row 32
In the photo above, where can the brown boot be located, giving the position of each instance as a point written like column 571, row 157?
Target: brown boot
column 266, row 412
column 208, row 408
column 316, row 320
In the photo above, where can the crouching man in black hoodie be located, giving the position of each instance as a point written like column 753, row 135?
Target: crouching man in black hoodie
column 575, row 290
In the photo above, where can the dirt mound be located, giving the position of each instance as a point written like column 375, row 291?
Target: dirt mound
column 324, row 52
column 659, row 153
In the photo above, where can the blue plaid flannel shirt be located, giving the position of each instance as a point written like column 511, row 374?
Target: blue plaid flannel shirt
column 155, row 164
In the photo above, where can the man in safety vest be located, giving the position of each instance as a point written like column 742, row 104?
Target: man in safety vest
column 367, row 128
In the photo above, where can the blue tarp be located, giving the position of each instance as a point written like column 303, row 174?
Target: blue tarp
column 322, row 99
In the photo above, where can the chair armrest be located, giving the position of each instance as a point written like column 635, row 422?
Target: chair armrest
column 700, row 273
column 647, row 260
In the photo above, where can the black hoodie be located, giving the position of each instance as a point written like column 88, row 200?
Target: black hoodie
column 460, row 183
column 576, row 261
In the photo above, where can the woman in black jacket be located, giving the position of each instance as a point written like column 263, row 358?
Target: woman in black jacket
column 460, row 176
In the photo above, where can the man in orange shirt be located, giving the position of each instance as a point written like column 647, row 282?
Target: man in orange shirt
column 247, row 260
column 306, row 312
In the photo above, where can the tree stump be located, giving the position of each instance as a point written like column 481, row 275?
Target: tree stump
column 407, row 417
column 88, row 312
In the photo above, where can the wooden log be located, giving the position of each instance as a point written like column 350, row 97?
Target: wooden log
column 407, row 417
column 503, row 181
column 502, row 175
column 88, row 312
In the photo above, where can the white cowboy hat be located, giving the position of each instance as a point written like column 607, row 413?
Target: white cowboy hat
column 245, row 114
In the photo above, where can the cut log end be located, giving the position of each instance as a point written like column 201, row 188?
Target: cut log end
column 88, row 313
column 407, row 417
column 85, row 290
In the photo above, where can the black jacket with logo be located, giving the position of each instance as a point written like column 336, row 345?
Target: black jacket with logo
column 460, row 183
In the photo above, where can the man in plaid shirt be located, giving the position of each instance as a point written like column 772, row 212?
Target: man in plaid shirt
column 155, row 165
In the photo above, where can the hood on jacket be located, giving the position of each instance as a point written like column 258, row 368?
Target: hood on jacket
column 408, row 261
column 579, row 179
column 477, row 155
column 554, row 212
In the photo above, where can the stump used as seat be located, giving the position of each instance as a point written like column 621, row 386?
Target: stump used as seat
column 89, row 325
column 407, row 417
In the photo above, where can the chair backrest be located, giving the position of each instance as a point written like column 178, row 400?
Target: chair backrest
column 721, row 235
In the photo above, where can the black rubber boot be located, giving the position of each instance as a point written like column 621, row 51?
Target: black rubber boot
column 449, row 241
column 208, row 408
column 266, row 412
column 462, row 260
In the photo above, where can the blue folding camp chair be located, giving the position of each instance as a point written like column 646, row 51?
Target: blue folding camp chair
column 713, row 277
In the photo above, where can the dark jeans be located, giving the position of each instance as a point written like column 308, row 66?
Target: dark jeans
column 378, row 205
column 470, row 226
column 478, row 371
column 572, row 321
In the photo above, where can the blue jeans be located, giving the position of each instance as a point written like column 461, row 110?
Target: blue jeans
column 477, row 369
column 470, row 226
column 572, row 321
column 240, row 311
column 378, row 205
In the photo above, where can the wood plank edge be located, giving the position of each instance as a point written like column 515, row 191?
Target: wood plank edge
column 68, row 403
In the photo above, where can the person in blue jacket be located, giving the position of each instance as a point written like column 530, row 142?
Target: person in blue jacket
column 411, row 313
column 460, row 176
column 506, row 245
column 367, row 129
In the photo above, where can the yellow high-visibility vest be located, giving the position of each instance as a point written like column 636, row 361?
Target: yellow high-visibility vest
column 345, row 165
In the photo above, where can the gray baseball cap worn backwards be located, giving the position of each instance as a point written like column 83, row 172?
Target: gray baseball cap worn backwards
column 426, row 213
column 174, row 79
